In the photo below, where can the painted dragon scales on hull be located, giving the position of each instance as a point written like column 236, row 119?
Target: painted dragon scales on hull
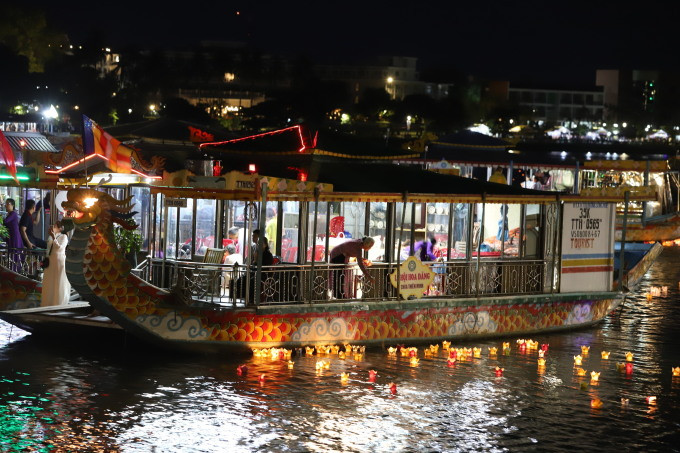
column 99, row 272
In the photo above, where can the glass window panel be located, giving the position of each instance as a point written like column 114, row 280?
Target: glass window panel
column 141, row 198
column 437, row 226
column 377, row 229
column 234, row 214
column 532, row 232
column 319, row 246
column 206, row 225
column 271, row 224
column 461, row 222
column 186, row 222
column 289, row 234
column 354, row 214
column 171, row 240
column 160, row 228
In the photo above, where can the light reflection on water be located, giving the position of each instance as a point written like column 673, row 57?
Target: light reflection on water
column 70, row 398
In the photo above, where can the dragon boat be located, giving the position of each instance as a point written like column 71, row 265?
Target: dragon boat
column 518, row 262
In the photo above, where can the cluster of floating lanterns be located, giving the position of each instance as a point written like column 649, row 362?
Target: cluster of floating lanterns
column 454, row 355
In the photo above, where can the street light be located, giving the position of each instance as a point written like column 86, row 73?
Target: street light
column 391, row 88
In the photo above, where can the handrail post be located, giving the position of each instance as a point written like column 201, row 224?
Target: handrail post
column 479, row 244
column 314, row 223
column 260, row 243
column 622, row 255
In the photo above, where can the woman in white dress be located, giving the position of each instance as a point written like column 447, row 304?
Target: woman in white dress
column 56, row 288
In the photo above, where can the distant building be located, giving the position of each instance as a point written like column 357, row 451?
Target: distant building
column 565, row 107
column 397, row 75
column 627, row 92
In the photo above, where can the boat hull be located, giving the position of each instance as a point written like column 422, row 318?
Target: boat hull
column 659, row 230
column 72, row 320
column 368, row 323
column 18, row 292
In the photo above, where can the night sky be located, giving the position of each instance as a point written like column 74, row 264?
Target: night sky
column 558, row 42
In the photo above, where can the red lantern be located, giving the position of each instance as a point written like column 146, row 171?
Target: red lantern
column 217, row 168
column 453, row 354
column 499, row 371
column 544, row 347
column 629, row 367
column 372, row 374
column 393, row 388
column 241, row 370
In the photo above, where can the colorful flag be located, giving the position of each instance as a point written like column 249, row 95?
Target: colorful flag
column 7, row 155
column 97, row 141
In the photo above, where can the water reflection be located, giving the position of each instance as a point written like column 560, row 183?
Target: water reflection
column 108, row 398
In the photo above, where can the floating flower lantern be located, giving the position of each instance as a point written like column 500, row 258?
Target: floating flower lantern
column 629, row 367
column 359, row 356
column 605, row 354
column 580, row 371
column 262, row 377
column 372, row 374
column 404, row 352
column 344, row 377
column 624, row 402
column 450, row 362
column 522, row 347
column 446, row 345
column 541, row 353
column 291, row 364
column 319, row 365
column 335, row 349
column 534, row 345
column 594, row 376
column 453, row 354
column 506, row 345
column 620, row 367
column 676, row 371
column 309, row 350
column 415, row 361
column 391, row 351
column 664, row 291
column 477, row 352
column 596, row 403
column 287, row 353
column 629, row 356
column 256, row 352
column 544, row 347
column 585, row 350
column 651, row 400
column 541, row 362
column 413, row 352
column 520, row 341
column 434, row 348
column 241, row 370
column 341, row 355
column 578, row 360
column 428, row 353
column 648, row 296
column 393, row 388
column 493, row 351
column 499, row 371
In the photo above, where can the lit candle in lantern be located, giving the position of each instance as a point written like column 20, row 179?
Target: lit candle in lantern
column 477, row 352
column 580, row 371
column 594, row 376
column 499, row 371
column 577, row 360
column 541, row 362
column 446, row 345
column 585, row 350
column 629, row 356
column 544, row 347
column 651, row 400
column 344, row 377
column 415, row 361
column 493, row 351
column 596, row 403
column 676, row 371
column 541, row 353
column 605, row 354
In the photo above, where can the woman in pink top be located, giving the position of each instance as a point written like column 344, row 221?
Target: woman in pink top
column 341, row 254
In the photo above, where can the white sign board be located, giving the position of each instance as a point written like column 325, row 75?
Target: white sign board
column 587, row 247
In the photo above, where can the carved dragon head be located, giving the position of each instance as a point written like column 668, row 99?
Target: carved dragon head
column 88, row 207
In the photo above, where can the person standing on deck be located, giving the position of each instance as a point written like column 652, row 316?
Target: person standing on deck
column 425, row 249
column 26, row 227
column 341, row 254
column 56, row 288
column 14, row 241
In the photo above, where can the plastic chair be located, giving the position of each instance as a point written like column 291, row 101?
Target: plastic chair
column 288, row 255
column 318, row 253
column 337, row 225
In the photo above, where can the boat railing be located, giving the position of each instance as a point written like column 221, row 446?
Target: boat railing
column 322, row 282
column 23, row 261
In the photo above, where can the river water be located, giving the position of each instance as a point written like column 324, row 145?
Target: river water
column 115, row 397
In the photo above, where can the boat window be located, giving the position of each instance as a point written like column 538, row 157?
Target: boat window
column 171, row 235
column 415, row 211
column 317, row 246
column 501, row 230
column 205, row 225
column 461, row 222
column 532, row 232
column 377, row 229
column 290, row 231
column 437, row 226
column 271, row 222
column 141, row 198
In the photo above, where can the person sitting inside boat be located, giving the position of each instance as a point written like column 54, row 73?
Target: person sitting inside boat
column 341, row 254
column 425, row 249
